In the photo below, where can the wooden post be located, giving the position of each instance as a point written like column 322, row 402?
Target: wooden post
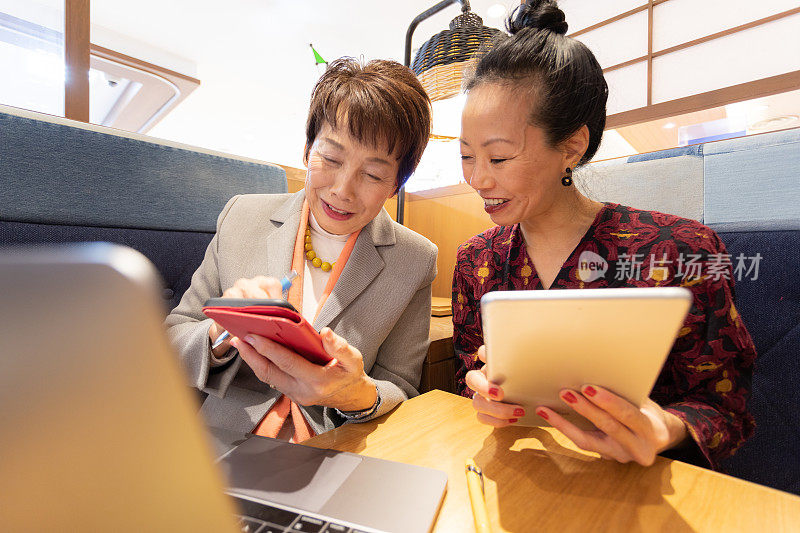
column 76, row 56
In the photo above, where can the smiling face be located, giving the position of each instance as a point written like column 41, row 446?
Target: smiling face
column 507, row 160
column 347, row 181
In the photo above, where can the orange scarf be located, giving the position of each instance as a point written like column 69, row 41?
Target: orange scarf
column 276, row 417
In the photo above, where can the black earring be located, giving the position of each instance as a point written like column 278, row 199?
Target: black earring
column 566, row 181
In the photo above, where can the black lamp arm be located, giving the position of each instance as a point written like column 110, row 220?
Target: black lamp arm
column 401, row 200
column 424, row 15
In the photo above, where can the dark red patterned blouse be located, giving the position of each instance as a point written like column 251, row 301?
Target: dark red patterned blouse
column 707, row 377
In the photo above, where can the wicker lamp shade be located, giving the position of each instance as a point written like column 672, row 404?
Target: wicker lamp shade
column 441, row 61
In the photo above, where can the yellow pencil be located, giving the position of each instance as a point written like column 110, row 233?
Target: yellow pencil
column 476, row 497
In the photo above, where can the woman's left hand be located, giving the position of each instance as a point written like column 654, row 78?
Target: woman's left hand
column 341, row 384
column 624, row 432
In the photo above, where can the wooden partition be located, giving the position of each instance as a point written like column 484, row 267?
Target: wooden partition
column 295, row 177
column 447, row 216
column 76, row 59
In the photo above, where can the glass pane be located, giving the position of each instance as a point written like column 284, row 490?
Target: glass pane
column 32, row 55
column 627, row 88
column 680, row 21
column 440, row 166
column 581, row 14
column 771, row 113
column 618, row 42
column 738, row 58
column 613, row 145
column 446, row 116
column 760, row 115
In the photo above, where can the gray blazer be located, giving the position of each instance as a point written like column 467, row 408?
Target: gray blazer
column 381, row 305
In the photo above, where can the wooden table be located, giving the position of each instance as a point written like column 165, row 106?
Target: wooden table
column 537, row 480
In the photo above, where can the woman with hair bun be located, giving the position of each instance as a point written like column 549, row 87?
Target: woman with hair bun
column 535, row 110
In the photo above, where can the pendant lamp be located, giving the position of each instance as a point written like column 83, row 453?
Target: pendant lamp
column 441, row 60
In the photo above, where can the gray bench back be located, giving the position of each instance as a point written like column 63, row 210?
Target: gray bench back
column 65, row 181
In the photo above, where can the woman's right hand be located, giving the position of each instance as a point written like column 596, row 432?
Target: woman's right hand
column 488, row 398
column 258, row 287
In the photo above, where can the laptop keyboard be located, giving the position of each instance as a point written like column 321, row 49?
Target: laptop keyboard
column 260, row 517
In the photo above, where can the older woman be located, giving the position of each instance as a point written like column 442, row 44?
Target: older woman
column 535, row 110
column 365, row 281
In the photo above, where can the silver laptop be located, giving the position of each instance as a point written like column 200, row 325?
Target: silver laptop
column 98, row 430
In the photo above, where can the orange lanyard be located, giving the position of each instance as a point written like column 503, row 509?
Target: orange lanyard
column 298, row 265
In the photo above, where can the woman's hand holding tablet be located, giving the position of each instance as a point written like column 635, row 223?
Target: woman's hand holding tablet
column 625, row 432
column 488, row 398
column 550, row 350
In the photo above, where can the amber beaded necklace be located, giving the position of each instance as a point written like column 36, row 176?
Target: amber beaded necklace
column 311, row 255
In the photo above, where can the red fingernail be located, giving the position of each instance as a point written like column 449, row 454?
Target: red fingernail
column 494, row 391
column 519, row 412
column 513, row 420
column 569, row 397
column 542, row 414
column 591, row 391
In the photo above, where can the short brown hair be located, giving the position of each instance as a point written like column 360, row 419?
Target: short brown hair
column 382, row 101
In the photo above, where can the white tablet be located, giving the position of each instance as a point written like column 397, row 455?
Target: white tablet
column 540, row 342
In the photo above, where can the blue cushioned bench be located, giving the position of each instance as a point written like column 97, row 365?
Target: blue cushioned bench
column 752, row 200
column 65, row 181
column 770, row 307
column 748, row 191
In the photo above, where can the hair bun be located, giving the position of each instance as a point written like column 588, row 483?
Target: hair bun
column 539, row 15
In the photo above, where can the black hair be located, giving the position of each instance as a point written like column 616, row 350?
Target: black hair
column 561, row 72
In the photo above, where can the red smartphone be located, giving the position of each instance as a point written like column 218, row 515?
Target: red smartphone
column 276, row 320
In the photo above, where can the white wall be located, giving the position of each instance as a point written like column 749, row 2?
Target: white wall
column 253, row 60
